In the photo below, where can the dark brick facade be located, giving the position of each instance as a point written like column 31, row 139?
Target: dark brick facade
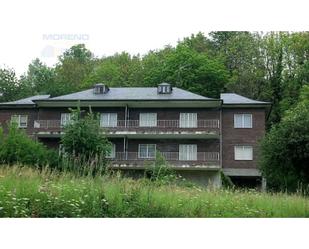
column 230, row 136
column 6, row 114
column 241, row 136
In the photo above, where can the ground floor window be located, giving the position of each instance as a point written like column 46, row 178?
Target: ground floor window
column 187, row 152
column 243, row 152
column 146, row 151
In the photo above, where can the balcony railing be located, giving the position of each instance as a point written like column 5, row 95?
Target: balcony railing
column 135, row 124
column 211, row 157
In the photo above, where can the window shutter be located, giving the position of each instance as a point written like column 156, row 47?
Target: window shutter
column 194, row 152
column 15, row 119
column 182, row 120
column 148, row 119
column 181, row 152
column 65, row 118
column 188, row 120
column 193, row 120
column 242, row 120
column 187, row 152
column 23, row 121
column 113, row 119
column 112, row 153
column 147, row 151
column 237, row 121
column 243, row 152
column 108, row 120
column 247, row 120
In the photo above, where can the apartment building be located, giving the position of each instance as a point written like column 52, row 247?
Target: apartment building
column 199, row 136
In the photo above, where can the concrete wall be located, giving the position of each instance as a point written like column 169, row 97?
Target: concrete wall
column 210, row 179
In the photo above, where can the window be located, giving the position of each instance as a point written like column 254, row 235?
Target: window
column 187, row 152
column 20, row 120
column 242, row 120
column 112, row 153
column 108, row 120
column 146, row 151
column 188, row 120
column 147, row 119
column 65, row 119
column 164, row 88
column 243, row 152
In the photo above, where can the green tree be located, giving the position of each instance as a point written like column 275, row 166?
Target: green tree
column 83, row 136
column 39, row 78
column 9, row 85
column 188, row 69
column 119, row 70
column 199, row 43
column 73, row 69
column 285, row 149
column 160, row 170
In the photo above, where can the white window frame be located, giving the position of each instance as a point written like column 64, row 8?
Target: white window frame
column 239, row 157
column 242, row 117
column 109, row 124
column 187, row 156
column 145, row 119
column 147, row 149
column 112, row 153
column 65, row 118
column 18, row 118
column 188, row 120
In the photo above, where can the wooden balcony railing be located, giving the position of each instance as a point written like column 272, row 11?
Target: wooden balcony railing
column 135, row 124
column 211, row 157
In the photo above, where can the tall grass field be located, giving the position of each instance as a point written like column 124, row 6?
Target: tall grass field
column 28, row 192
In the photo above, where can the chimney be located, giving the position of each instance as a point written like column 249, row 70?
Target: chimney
column 100, row 88
column 165, row 88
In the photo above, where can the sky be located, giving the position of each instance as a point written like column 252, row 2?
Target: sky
column 44, row 29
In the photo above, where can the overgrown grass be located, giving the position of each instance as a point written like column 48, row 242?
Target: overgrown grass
column 27, row 192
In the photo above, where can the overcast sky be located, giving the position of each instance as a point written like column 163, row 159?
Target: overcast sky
column 43, row 29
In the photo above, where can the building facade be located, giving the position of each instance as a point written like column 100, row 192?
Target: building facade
column 200, row 137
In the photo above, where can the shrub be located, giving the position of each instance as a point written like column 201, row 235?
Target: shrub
column 84, row 136
column 160, row 170
column 226, row 181
column 17, row 147
column 84, row 143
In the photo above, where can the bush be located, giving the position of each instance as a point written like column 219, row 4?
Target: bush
column 84, row 143
column 285, row 149
column 17, row 147
column 160, row 170
column 83, row 136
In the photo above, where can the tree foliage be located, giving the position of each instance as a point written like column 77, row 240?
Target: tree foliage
column 8, row 84
column 285, row 149
column 83, row 136
column 72, row 70
column 39, row 79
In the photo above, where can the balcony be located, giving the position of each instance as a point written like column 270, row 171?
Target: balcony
column 162, row 129
column 202, row 160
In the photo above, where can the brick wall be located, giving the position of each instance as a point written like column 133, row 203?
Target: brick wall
column 241, row 136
